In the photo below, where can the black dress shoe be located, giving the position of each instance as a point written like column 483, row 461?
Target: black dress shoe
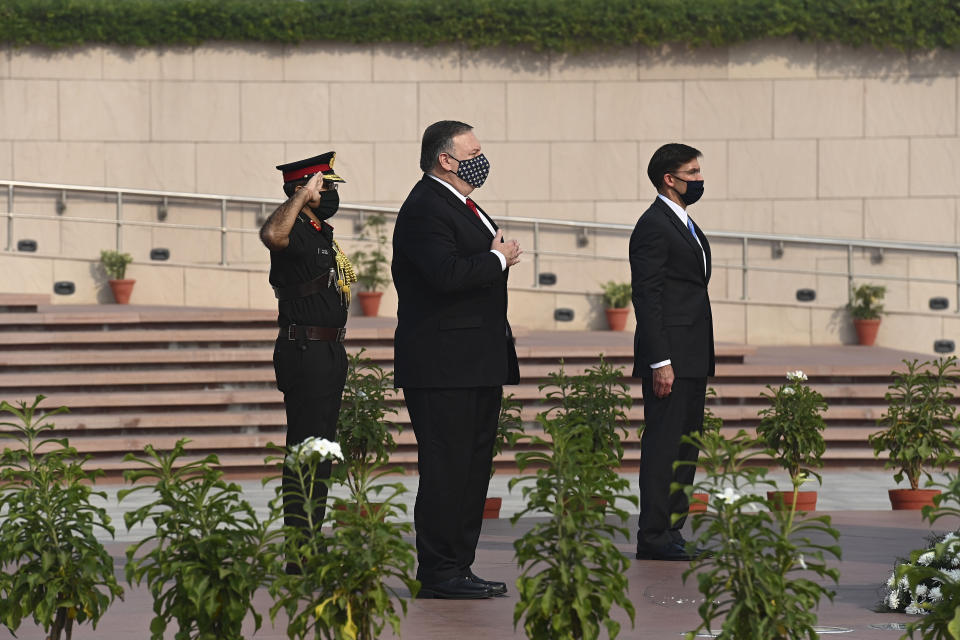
column 496, row 588
column 671, row 551
column 456, row 588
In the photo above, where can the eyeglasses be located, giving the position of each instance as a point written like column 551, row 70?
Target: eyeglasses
column 330, row 185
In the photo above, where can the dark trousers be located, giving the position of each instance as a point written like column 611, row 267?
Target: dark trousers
column 667, row 420
column 311, row 375
column 455, row 431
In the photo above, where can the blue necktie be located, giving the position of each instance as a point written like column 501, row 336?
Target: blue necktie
column 690, row 226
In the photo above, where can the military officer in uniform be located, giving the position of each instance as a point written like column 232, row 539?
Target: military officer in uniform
column 311, row 278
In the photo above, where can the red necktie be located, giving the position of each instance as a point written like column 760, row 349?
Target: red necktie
column 473, row 207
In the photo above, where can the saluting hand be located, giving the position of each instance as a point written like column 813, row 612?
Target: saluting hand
column 510, row 248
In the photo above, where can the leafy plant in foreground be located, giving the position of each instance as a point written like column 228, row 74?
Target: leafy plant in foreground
column 339, row 590
column 210, row 551
column 760, row 573
column 572, row 573
column 52, row 567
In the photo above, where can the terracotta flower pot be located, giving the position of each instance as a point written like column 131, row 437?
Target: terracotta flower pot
column 698, row 502
column 866, row 330
column 122, row 290
column 907, row 499
column 806, row 500
column 370, row 302
column 491, row 508
column 617, row 318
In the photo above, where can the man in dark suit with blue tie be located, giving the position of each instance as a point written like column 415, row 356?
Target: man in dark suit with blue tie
column 453, row 352
column 673, row 345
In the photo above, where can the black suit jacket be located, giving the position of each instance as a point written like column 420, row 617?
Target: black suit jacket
column 452, row 329
column 670, row 297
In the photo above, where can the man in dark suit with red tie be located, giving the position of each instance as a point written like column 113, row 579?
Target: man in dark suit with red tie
column 453, row 352
column 673, row 345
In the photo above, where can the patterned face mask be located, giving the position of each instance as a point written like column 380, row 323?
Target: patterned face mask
column 474, row 171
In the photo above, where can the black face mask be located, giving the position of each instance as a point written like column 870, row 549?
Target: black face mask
column 329, row 203
column 694, row 191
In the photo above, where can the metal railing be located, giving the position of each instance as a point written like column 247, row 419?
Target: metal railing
column 538, row 226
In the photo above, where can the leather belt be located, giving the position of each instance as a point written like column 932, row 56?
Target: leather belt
column 301, row 332
column 304, row 289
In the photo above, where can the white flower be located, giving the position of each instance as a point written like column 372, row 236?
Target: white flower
column 913, row 610
column 788, row 391
column 921, row 590
column 892, row 580
column 800, row 561
column 893, row 601
column 935, row 594
column 320, row 447
column 794, row 376
column 729, row 495
column 925, row 558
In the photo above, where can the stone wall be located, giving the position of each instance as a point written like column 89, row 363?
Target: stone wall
column 797, row 139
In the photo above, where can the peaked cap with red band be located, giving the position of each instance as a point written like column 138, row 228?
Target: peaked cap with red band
column 304, row 169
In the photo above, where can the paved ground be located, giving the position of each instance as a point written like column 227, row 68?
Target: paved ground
column 872, row 536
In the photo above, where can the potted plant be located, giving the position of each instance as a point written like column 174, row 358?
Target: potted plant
column 373, row 267
column 344, row 582
column 712, row 424
column 53, row 567
column 766, row 569
column 344, row 585
column 115, row 264
column 918, row 426
column 790, row 429
column 865, row 309
column 210, row 550
column 572, row 571
column 509, row 428
column 362, row 428
column 616, row 301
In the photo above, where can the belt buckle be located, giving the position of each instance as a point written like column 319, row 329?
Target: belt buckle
column 341, row 334
column 292, row 332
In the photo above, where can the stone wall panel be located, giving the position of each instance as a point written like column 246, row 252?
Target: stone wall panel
column 287, row 112
column 220, row 61
column 716, row 109
column 482, row 105
column 911, row 107
column 404, row 63
column 160, row 166
column 545, row 112
column 155, row 63
column 863, row 168
column 104, row 111
column 773, row 169
column 248, row 167
column 29, row 110
column 366, row 112
column 612, row 169
column 195, row 111
column 639, row 110
column 830, row 108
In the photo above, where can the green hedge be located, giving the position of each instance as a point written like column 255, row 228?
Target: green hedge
column 558, row 25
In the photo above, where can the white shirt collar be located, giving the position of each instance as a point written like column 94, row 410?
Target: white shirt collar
column 462, row 197
column 677, row 209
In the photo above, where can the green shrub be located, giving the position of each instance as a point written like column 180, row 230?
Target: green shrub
column 115, row 263
column 765, row 569
column 572, row 573
column 340, row 587
column 210, row 551
column 556, row 25
column 52, row 567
